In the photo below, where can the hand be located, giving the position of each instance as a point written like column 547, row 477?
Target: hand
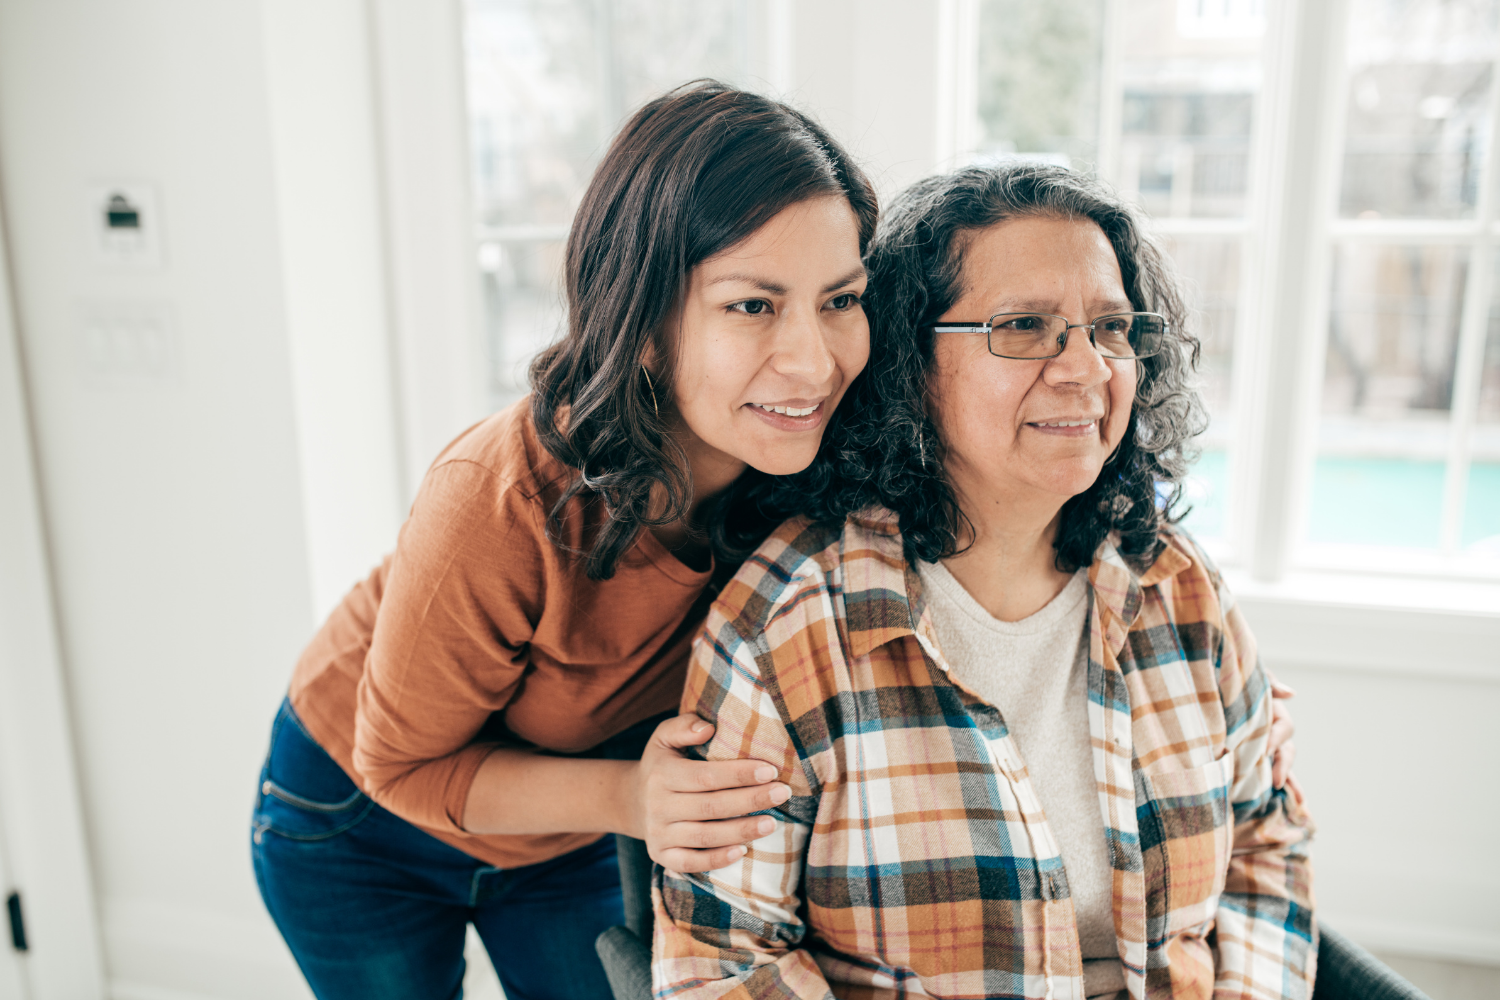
column 1283, row 746
column 691, row 813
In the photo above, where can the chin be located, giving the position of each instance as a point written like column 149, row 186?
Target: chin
column 780, row 464
column 1070, row 483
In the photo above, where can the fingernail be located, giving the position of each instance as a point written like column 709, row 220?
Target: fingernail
column 765, row 773
column 765, row 826
column 780, row 793
column 735, row 853
column 700, row 725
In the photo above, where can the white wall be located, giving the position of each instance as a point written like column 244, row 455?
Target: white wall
column 200, row 520
column 867, row 69
column 195, row 511
column 1395, row 738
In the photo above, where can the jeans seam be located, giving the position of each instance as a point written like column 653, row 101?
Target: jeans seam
column 474, row 883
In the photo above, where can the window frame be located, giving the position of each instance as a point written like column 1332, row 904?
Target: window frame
column 1288, row 237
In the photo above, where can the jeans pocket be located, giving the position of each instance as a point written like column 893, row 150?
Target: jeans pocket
column 304, row 794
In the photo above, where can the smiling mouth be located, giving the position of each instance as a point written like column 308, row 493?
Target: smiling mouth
column 1061, row 423
column 790, row 411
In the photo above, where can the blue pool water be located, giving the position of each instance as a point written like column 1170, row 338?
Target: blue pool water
column 1364, row 501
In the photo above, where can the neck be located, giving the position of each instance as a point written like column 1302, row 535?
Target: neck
column 710, row 473
column 1009, row 564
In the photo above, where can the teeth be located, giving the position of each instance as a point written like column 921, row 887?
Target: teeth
column 791, row 411
column 1065, row 423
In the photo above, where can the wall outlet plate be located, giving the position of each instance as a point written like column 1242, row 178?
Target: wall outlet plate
column 125, row 224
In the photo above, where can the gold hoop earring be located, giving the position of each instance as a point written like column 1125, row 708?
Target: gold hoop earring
column 653, row 391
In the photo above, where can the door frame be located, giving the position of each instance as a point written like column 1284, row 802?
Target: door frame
column 41, row 813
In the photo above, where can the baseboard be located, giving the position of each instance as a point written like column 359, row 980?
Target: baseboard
column 119, row 990
column 1447, row 943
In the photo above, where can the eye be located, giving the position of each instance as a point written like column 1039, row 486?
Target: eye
column 751, row 307
column 844, row 302
column 1022, row 324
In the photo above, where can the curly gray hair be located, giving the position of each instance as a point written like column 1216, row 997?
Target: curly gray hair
column 882, row 447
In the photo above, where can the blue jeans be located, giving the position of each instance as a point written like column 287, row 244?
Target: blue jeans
column 374, row 908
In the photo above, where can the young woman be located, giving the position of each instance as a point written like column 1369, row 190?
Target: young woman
column 470, row 722
column 1025, row 728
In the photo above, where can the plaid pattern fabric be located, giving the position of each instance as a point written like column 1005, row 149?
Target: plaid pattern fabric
column 914, row 859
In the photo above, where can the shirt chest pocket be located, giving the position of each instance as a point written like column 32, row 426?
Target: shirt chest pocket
column 1187, row 838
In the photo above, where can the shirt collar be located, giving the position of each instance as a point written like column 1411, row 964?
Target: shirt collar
column 883, row 598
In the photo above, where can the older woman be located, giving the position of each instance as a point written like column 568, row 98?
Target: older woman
column 1025, row 728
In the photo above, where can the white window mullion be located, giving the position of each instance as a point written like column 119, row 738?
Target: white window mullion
column 1468, row 364
column 1287, row 292
column 956, row 110
column 1111, row 93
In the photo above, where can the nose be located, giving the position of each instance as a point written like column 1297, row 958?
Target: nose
column 801, row 350
column 1079, row 363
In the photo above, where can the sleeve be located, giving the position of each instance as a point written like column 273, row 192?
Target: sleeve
column 736, row 932
column 1266, row 938
column 450, row 646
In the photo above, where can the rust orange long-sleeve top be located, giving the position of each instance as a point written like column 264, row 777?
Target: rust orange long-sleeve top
column 477, row 630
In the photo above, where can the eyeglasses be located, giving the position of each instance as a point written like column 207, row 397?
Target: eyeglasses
column 1035, row 336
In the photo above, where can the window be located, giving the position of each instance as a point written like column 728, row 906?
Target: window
column 1162, row 99
column 1157, row 96
column 548, row 83
column 1406, row 453
column 1394, row 458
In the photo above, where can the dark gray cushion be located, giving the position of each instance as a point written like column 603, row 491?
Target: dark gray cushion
column 1348, row 972
column 627, row 963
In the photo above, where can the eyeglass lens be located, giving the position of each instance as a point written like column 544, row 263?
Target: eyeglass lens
column 1036, row 335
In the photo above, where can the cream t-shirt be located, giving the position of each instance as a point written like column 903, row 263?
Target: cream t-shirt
column 1035, row 671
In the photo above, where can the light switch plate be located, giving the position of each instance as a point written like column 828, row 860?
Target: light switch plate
column 125, row 343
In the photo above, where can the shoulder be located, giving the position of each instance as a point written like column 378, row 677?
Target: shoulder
column 504, row 450
column 488, row 491
column 808, row 573
column 796, row 560
column 1178, row 567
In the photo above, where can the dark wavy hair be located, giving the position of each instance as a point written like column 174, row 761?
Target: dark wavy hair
column 883, row 448
column 691, row 175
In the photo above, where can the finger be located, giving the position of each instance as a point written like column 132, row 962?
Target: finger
column 727, row 804
column 682, row 731
column 1287, row 756
column 1282, row 731
column 681, row 860
column 715, row 775
column 1279, row 771
column 711, row 836
column 1280, row 690
column 1280, row 710
column 1295, row 787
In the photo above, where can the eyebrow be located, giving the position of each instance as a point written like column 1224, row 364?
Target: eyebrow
column 1036, row 306
column 774, row 289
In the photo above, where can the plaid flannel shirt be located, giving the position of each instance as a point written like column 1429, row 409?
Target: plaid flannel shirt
column 914, row 859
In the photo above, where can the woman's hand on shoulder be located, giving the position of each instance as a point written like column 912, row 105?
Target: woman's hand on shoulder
column 1283, row 748
column 693, row 814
